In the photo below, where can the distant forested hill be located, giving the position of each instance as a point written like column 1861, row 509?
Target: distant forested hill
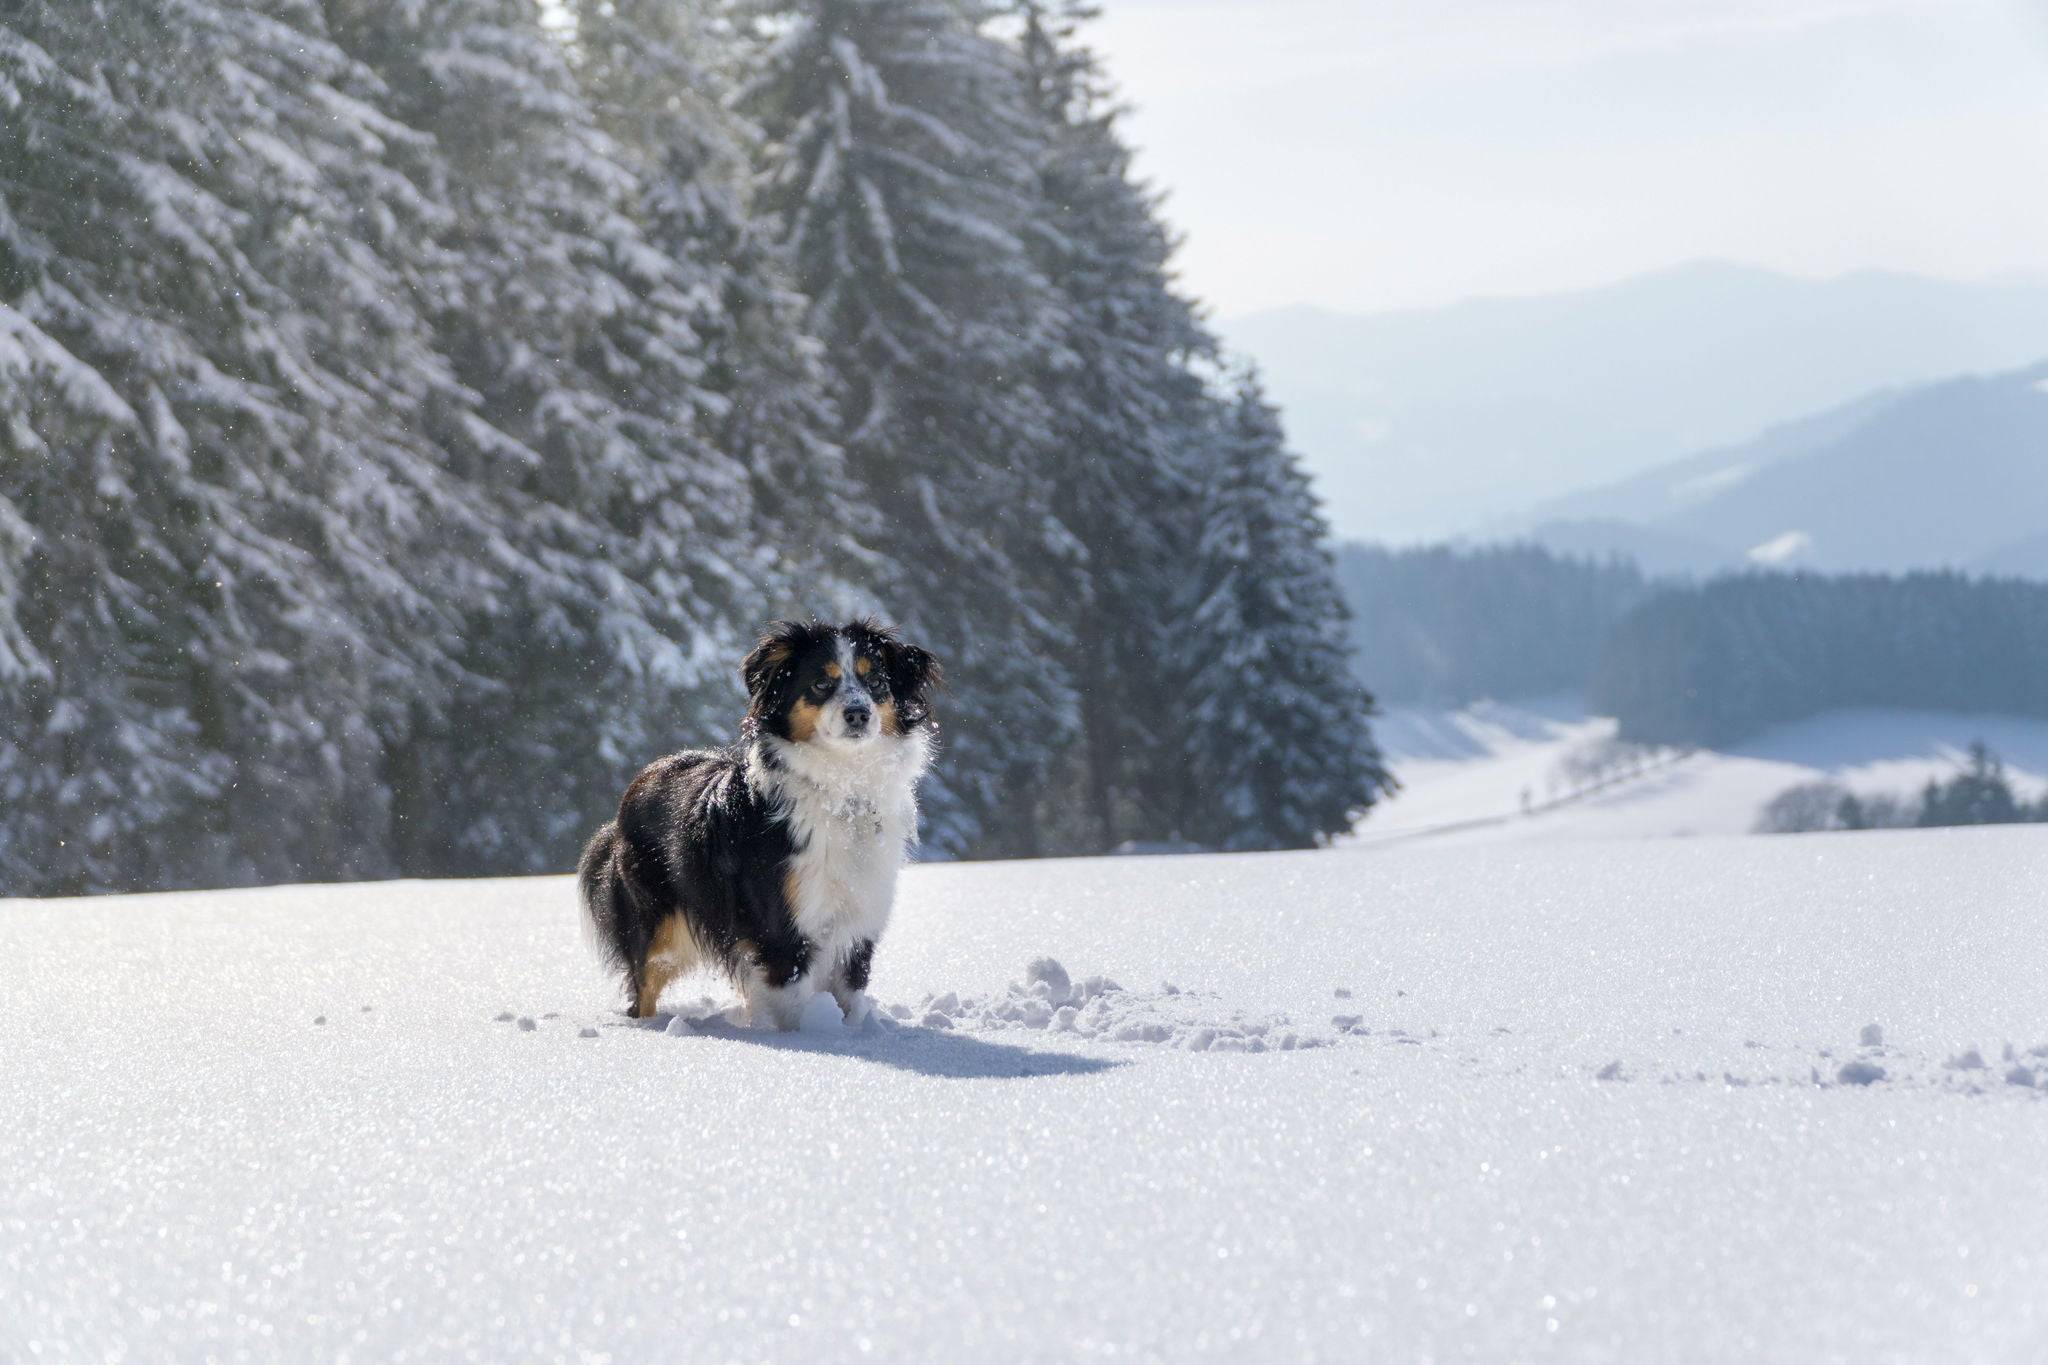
column 1442, row 625
column 1714, row 664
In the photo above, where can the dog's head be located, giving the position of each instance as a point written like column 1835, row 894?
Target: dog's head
column 842, row 685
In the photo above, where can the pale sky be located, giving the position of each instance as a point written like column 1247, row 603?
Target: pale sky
column 1372, row 154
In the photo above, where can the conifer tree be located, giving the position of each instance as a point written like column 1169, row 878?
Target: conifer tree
column 901, row 162
column 405, row 418
column 1978, row 795
column 657, row 72
column 638, row 560
column 1131, row 418
column 207, row 448
column 1284, row 756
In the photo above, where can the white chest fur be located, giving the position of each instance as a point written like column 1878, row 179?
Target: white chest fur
column 851, row 810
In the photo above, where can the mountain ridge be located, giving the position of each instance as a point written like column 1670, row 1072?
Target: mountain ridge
column 1944, row 475
column 1422, row 424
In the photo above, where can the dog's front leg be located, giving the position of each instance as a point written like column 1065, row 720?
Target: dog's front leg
column 849, row 983
column 780, row 984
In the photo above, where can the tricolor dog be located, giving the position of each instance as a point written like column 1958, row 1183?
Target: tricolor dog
column 774, row 861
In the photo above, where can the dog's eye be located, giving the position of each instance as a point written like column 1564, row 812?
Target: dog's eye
column 822, row 688
column 878, row 684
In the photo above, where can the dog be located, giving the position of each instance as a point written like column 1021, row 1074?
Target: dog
column 775, row 860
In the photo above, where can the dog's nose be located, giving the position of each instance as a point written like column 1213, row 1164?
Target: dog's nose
column 857, row 718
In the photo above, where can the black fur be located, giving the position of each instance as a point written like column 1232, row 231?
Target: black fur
column 693, row 838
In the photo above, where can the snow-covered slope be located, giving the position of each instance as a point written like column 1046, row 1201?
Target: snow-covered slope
column 1542, row 770
column 402, row 1122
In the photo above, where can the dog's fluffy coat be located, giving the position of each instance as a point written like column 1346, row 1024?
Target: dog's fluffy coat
column 775, row 860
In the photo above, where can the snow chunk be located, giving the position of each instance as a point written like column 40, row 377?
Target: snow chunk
column 1048, row 999
column 1872, row 1036
column 1047, row 972
column 821, row 1015
column 1860, row 1073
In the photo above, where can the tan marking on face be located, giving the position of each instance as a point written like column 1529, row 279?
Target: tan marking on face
column 885, row 718
column 863, row 666
column 803, row 720
column 675, row 950
column 832, row 670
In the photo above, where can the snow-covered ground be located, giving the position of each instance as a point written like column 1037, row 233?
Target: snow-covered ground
column 1465, row 773
column 1574, row 1101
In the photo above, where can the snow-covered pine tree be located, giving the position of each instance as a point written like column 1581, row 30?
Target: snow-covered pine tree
column 1131, row 421
column 1283, row 753
column 214, row 498
column 901, row 160
column 639, row 562
column 657, row 72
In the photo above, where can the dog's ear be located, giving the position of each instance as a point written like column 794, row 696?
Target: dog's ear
column 769, row 660
column 913, row 676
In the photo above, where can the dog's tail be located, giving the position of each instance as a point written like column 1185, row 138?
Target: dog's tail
column 603, row 884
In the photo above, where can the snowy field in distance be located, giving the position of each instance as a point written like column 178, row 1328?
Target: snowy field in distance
column 1569, row 1101
column 1464, row 772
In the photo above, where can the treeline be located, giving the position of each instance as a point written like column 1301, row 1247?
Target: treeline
column 1980, row 794
column 1714, row 664
column 408, row 411
column 1443, row 626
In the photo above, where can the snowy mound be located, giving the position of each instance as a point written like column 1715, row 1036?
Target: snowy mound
column 1098, row 1008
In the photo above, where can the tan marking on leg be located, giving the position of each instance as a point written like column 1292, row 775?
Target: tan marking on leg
column 674, row 951
column 803, row 721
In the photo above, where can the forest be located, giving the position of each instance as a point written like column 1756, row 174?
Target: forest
column 1713, row 664
column 1442, row 625
column 409, row 412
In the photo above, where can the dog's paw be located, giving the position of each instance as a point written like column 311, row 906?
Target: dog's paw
column 857, row 1008
column 783, row 1008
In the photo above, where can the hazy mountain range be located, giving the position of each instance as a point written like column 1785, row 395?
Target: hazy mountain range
column 1460, row 420
column 1952, row 474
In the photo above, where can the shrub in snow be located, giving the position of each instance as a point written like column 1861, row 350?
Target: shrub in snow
column 1808, row 807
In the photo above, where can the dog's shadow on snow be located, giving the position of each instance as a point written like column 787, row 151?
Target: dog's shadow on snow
column 933, row 1052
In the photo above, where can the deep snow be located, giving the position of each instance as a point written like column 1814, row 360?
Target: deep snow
column 407, row 1122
